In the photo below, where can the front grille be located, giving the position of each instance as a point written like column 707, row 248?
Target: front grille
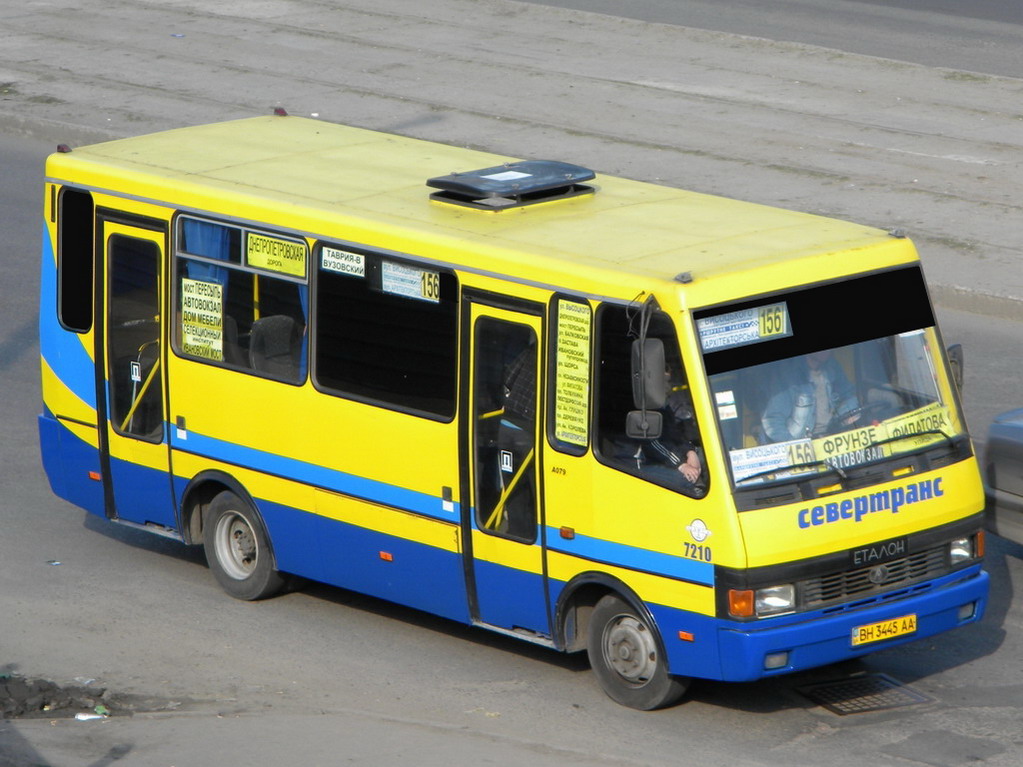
column 856, row 584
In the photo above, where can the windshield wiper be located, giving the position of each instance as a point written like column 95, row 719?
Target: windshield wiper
column 795, row 466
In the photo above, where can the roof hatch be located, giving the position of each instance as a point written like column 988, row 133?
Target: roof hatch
column 513, row 184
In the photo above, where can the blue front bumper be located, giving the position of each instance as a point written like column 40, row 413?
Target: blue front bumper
column 736, row 652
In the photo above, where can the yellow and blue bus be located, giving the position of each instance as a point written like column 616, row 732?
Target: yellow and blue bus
column 691, row 436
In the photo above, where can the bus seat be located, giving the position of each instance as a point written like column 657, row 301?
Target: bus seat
column 275, row 344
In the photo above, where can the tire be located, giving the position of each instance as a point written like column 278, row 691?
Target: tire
column 237, row 549
column 625, row 654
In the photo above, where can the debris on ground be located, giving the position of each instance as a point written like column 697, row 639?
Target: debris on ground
column 22, row 698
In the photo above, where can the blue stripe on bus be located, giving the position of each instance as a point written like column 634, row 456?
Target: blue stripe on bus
column 62, row 349
column 632, row 557
column 319, row 476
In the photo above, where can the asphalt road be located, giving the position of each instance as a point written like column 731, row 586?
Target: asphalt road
column 935, row 152
column 977, row 36
column 324, row 676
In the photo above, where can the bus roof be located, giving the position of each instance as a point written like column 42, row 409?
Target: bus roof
column 364, row 186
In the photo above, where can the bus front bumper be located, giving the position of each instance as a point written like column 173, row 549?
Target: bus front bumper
column 752, row 652
column 744, row 652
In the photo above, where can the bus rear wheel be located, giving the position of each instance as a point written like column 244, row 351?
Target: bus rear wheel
column 627, row 660
column 237, row 549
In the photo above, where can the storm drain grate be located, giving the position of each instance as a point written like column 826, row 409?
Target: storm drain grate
column 874, row 692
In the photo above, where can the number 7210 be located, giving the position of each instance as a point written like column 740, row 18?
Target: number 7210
column 698, row 551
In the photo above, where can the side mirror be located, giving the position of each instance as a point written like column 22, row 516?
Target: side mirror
column 649, row 389
column 955, row 362
column 644, row 424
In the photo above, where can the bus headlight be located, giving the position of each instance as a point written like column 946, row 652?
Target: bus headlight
column 774, row 600
column 961, row 550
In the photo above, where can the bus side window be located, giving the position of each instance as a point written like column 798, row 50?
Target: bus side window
column 133, row 338
column 505, row 428
column 387, row 332
column 75, row 236
column 675, row 459
column 239, row 317
column 245, row 320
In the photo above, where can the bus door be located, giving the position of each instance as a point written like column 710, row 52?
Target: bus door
column 130, row 367
column 503, row 520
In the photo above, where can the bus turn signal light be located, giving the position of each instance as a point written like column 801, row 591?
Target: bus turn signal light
column 740, row 602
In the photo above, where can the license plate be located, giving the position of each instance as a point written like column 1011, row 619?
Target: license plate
column 878, row 632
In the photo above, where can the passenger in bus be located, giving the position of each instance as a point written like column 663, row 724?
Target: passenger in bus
column 815, row 398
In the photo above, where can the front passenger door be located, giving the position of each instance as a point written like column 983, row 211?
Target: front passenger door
column 506, row 544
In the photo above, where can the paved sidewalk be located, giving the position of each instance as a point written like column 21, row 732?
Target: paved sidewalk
column 935, row 152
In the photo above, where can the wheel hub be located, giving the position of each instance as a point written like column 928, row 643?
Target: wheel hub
column 236, row 546
column 630, row 650
column 242, row 545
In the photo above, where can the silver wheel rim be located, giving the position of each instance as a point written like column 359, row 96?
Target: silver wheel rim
column 630, row 650
column 236, row 547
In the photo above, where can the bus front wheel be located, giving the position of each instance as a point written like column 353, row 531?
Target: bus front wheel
column 627, row 659
column 238, row 550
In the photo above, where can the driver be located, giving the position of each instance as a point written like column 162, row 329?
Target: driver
column 817, row 393
column 673, row 458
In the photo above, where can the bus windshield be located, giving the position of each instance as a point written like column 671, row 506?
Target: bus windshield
column 815, row 398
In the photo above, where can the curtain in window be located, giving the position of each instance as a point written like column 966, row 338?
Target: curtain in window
column 203, row 238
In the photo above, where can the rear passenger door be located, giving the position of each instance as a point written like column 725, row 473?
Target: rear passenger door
column 131, row 368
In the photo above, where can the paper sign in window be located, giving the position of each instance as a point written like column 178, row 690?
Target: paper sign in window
column 275, row 254
column 343, row 262
column 409, row 281
column 746, row 326
column 572, row 374
column 202, row 319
